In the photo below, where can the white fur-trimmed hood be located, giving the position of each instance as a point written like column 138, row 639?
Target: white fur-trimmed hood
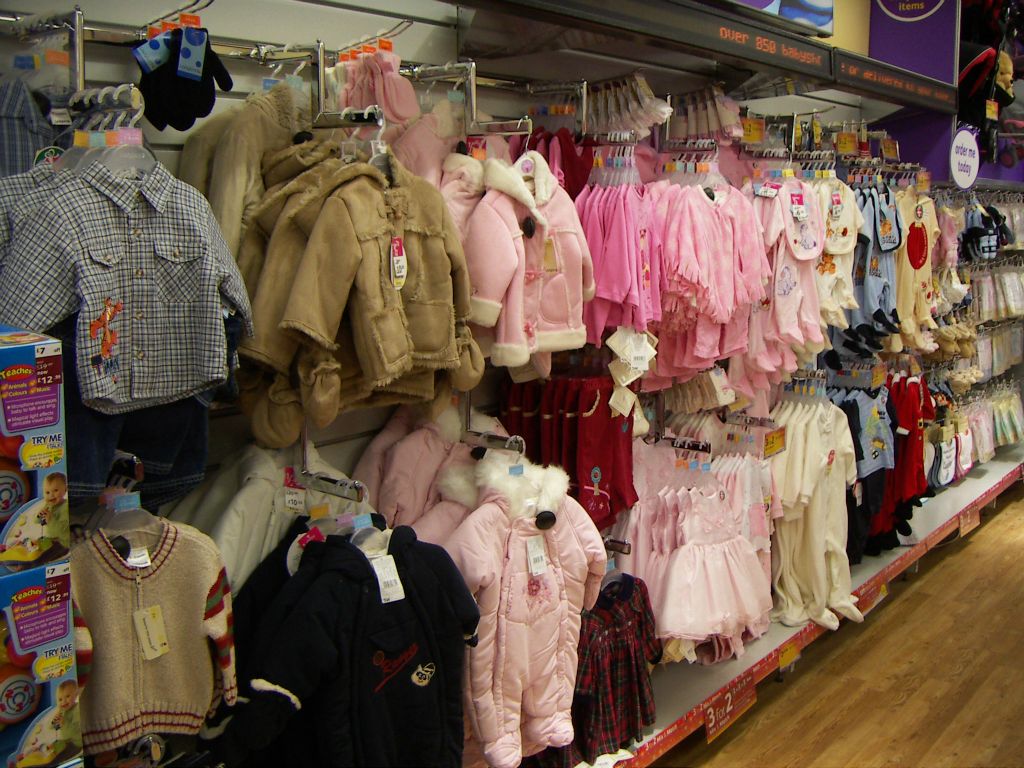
column 470, row 170
column 548, row 485
column 511, row 180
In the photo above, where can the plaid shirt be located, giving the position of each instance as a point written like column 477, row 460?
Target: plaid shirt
column 21, row 195
column 144, row 265
column 23, row 130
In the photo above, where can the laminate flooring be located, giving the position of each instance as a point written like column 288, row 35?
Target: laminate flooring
column 933, row 678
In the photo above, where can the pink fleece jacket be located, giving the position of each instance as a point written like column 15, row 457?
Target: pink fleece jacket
column 530, row 289
column 522, row 673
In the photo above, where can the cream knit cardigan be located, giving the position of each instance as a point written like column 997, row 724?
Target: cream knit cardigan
column 125, row 696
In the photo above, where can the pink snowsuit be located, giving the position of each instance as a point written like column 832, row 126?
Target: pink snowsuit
column 523, row 671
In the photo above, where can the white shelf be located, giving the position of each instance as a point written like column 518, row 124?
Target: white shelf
column 681, row 690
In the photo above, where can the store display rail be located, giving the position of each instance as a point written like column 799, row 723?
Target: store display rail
column 691, row 696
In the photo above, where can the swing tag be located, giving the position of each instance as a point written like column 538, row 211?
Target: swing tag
column 193, row 53
column 837, row 206
column 391, row 589
column 152, row 53
column 797, row 207
column 399, row 263
column 769, row 189
column 536, row 556
column 149, row 626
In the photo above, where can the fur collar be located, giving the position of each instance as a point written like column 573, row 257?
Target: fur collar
column 547, row 485
column 458, row 483
column 470, row 170
column 511, row 180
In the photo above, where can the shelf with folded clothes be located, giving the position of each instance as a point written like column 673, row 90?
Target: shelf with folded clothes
column 682, row 694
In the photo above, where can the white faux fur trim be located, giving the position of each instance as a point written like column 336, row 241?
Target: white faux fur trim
column 510, row 355
column 484, row 311
column 471, row 168
column 458, row 483
column 559, row 341
column 509, row 180
column 265, row 686
column 208, row 733
column 552, row 482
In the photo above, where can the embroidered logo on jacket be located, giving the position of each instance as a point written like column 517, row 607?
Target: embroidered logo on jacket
column 391, row 667
column 422, row 674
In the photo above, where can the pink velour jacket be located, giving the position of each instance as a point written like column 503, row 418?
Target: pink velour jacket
column 523, row 671
column 529, row 264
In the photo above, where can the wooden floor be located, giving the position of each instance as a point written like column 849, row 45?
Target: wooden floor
column 934, row 677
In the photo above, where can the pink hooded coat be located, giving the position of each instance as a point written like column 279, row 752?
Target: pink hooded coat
column 522, row 673
column 530, row 289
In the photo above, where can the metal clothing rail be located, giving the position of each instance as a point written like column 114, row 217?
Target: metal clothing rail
column 28, row 27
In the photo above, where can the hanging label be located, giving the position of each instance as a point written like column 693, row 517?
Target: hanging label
column 168, row 26
column 797, row 207
column 769, row 189
column 516, row 470
column 193, row 53
column 60, row 116
column 536, row 556
column 391, row 589
column 753, row 130
column 622, row 401
column 149, row 626
column 294, row 500
column 846, row 143
column 189, row 20
column 836, row 209
column 623, row 373
column 152, row 53
column 367, row 48
column 152, row 32
column 139, row 558
column 399, row 263
column 774, row 442
column 550, row 258
column 991, row 109
column 890, row 150
column 27, row 61
column 386, row 45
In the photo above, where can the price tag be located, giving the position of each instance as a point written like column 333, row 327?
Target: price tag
column 890, row 150
column 399, row 263
column 836, row 209
column 189, row 20
column 846, row 143
column 149, row 626
column 386, row 45
column 775, row 442
column 391, row 589
column 725, row 707
column 991, row 109
column 753, row 130
column 797, row 207
column 769, row 189
column 167, row 26
column 139, row 558
column 789, row 653
column 536, row 556
column 294, row 500
column 622, row 401
column 924, row 182
column 367, row 48
column 969, row 520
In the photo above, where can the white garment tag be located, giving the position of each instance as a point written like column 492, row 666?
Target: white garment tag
column 139, row 558
column 536, row 556
column 769, row 189
column 60, row 116
column 623, row 373
column 622, row 401
column 858, row 493
column 294, row 500
column 149, row 627
column 399, row 263
column 391, row 589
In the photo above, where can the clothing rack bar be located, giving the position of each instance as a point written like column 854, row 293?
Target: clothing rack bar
column 190, row 7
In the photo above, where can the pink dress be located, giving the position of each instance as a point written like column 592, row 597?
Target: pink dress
column 714, row 583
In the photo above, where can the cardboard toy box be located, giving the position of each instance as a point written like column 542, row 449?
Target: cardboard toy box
column 38, row 676
column 34, row 519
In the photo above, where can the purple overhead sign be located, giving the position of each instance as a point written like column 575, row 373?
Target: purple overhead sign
column 916, row 35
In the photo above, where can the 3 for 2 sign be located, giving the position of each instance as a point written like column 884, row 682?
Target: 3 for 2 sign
column 726, row 706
